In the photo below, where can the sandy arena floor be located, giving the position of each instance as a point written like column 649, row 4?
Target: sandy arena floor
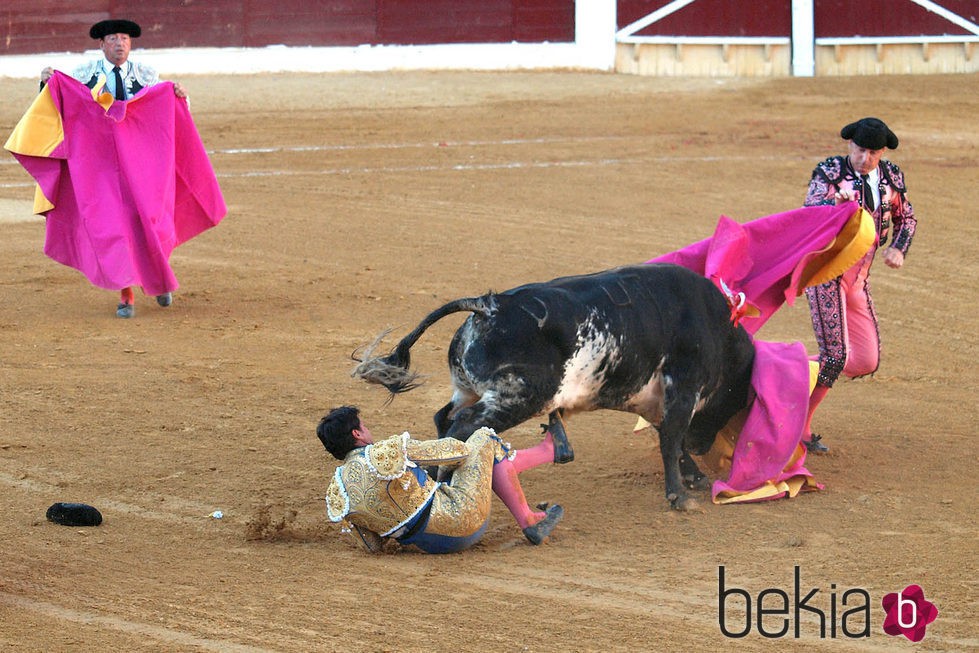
column 361, row 202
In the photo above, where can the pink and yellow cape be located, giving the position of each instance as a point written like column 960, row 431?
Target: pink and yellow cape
column 121, row 184
column 761, row 265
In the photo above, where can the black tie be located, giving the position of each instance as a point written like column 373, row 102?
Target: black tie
column 867, row 194
column 120, row 89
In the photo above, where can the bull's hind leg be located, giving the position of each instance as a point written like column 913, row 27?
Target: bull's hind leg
column 442, row 421
column 466, row 420
column 460, row 422
column 446, row 416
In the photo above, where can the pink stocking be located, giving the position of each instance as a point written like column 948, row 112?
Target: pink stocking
column 127, row 296
column 537, row 455
column 506, row 485
column 818, row 394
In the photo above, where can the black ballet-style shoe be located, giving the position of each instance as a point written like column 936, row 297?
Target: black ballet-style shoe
column 813, row 444
column 539, row 531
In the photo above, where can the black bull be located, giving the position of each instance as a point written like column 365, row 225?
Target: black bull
column 653, row 339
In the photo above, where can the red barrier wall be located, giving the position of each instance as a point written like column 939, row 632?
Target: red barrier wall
column 712, row 18
column 841, row 18
column 833, row 18
column 62, row 25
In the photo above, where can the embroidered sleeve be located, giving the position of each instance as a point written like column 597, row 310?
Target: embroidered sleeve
column 442, row 451
column 902, row 213
column 501, row 450
column 388, row 459
column 86, row 71
column 894, row 176
column 337, row 501
column 905, row 224
column 145, row 75
column 823, row 184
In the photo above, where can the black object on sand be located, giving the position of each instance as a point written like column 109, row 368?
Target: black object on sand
column 74, row 514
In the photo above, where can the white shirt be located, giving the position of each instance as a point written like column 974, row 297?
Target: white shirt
column 106, row 66
column 873, row 185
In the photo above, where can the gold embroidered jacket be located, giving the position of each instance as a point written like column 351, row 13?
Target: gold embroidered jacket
column 380, row 487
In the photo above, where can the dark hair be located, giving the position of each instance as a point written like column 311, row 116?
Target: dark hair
column 336, row 430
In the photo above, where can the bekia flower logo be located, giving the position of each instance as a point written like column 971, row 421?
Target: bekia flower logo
column 908, row 613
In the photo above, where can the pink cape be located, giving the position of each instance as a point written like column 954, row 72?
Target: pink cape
column 768, row 459
column 771, row 260
column 128, row 181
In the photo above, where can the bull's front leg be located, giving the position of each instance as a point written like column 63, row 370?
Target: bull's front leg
column 676, row 420
column 563, row 452
column 676, row 494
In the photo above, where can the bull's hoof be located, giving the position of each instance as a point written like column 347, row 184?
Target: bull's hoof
column 683, row 503
column 698, row 482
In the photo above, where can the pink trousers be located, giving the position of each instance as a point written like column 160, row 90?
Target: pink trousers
column 845, row 324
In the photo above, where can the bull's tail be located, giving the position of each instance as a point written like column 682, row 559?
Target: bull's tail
column 392, row 371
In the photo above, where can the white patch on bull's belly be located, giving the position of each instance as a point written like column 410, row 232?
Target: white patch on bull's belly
column 584, row 373
column 648, row 402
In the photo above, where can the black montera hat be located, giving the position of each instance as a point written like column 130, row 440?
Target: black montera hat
column 105, row 27
column 870, row 133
